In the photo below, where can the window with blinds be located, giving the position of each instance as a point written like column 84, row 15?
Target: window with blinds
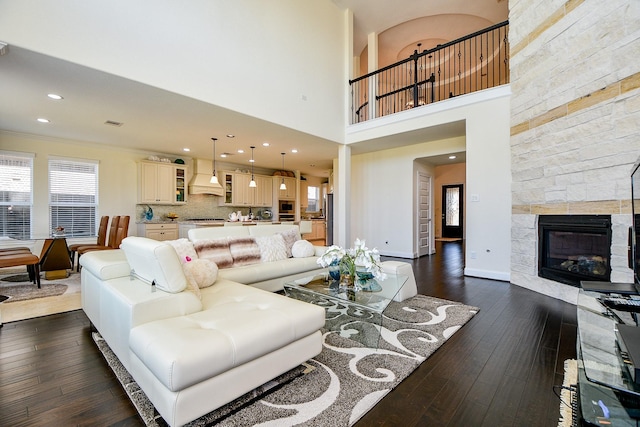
column 313, row 195
column 73, row 196
column 16, row 189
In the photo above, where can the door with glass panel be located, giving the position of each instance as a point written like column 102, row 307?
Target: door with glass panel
column 452, row 197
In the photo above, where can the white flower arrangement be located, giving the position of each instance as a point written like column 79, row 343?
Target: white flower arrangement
column 350, row 260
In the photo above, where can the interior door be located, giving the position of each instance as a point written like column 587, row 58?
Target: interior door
column 452, row 208
column 424, row 214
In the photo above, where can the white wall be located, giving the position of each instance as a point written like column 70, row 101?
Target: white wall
column 253, row 56
column 383, row 193
column 382, row 196
column 488, row 220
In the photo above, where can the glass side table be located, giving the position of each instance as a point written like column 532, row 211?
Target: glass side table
column 606, row 392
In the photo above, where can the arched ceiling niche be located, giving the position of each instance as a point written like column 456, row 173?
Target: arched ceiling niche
column 400, row 41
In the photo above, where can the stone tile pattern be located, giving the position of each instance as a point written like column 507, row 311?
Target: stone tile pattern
column 575, row 117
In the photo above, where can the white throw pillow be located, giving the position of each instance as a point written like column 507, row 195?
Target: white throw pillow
column 272, row 248
column 303, row 249
column 201, row 272
column 184, row 249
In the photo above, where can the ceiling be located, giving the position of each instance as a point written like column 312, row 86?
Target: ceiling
column 161, row 122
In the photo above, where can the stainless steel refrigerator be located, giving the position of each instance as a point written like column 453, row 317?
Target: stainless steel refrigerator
column 328, row 215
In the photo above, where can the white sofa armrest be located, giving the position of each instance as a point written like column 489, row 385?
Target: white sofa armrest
column 404, row 268
column 106, row 265
column 320, row 250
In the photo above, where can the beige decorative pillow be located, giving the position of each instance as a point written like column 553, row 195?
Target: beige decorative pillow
column 290, row 237
column 272, row 248
column 192, row 287
column 303, row 249
column 216, row 250
column 201, row 272
column 244, row 251
column 184, row 249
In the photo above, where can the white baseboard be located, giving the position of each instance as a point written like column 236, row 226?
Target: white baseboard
column 407, row 255
column 488, row 274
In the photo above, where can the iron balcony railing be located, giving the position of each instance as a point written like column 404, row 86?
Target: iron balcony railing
column 474, row 62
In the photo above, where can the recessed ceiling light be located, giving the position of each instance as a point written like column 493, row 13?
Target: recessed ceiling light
column 240, row 151
column 55, row 96
column 265, row 144
column 452, row 157
column 230, row 135
column 223, row 155
column 294, row 150
column 186, row 149
column 43, row 120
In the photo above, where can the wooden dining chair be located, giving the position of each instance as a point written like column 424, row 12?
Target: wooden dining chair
column 117, row 233
column 113, row 231
column 101, row 239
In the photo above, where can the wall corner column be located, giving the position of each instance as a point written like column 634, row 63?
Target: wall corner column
column 342, row 215
column 372, row 65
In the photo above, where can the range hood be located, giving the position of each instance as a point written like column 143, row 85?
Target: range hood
column 201, row 181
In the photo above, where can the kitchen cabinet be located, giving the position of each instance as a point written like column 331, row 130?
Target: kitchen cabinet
column 168, row 231
column 304, row 195
column 162, row 183
column 227, row 183
column 290, row 192
column 263, row 191
column 238, row 192
column 243, row 195
column 318, row 233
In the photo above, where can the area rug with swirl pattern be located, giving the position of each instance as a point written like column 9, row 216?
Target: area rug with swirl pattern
column 342, row 383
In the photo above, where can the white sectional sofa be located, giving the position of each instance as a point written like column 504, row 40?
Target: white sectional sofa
column 269, row 276
column 192, row 352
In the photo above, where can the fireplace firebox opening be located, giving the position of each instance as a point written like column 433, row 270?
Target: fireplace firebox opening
column 572, row 248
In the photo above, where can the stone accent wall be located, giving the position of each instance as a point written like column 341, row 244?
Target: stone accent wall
column 575, row 122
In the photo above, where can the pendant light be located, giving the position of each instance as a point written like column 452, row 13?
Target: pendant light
column 214, row 178
column 283, row 186
column 252, row 183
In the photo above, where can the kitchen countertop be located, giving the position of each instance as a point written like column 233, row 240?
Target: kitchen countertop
column 157, row 221
column 218, row 223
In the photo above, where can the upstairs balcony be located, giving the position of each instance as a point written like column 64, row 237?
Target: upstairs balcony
column 469, row 64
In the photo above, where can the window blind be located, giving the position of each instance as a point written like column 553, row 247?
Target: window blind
column 73, row 196
column 16, row 189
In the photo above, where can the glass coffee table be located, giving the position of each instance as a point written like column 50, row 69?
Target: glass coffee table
column 354, row 314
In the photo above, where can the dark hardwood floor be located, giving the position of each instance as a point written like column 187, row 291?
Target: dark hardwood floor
column 498, row 370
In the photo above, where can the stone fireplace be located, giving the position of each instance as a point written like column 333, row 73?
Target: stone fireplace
column 572, row 248
column 525, row 257
column 574, row 137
